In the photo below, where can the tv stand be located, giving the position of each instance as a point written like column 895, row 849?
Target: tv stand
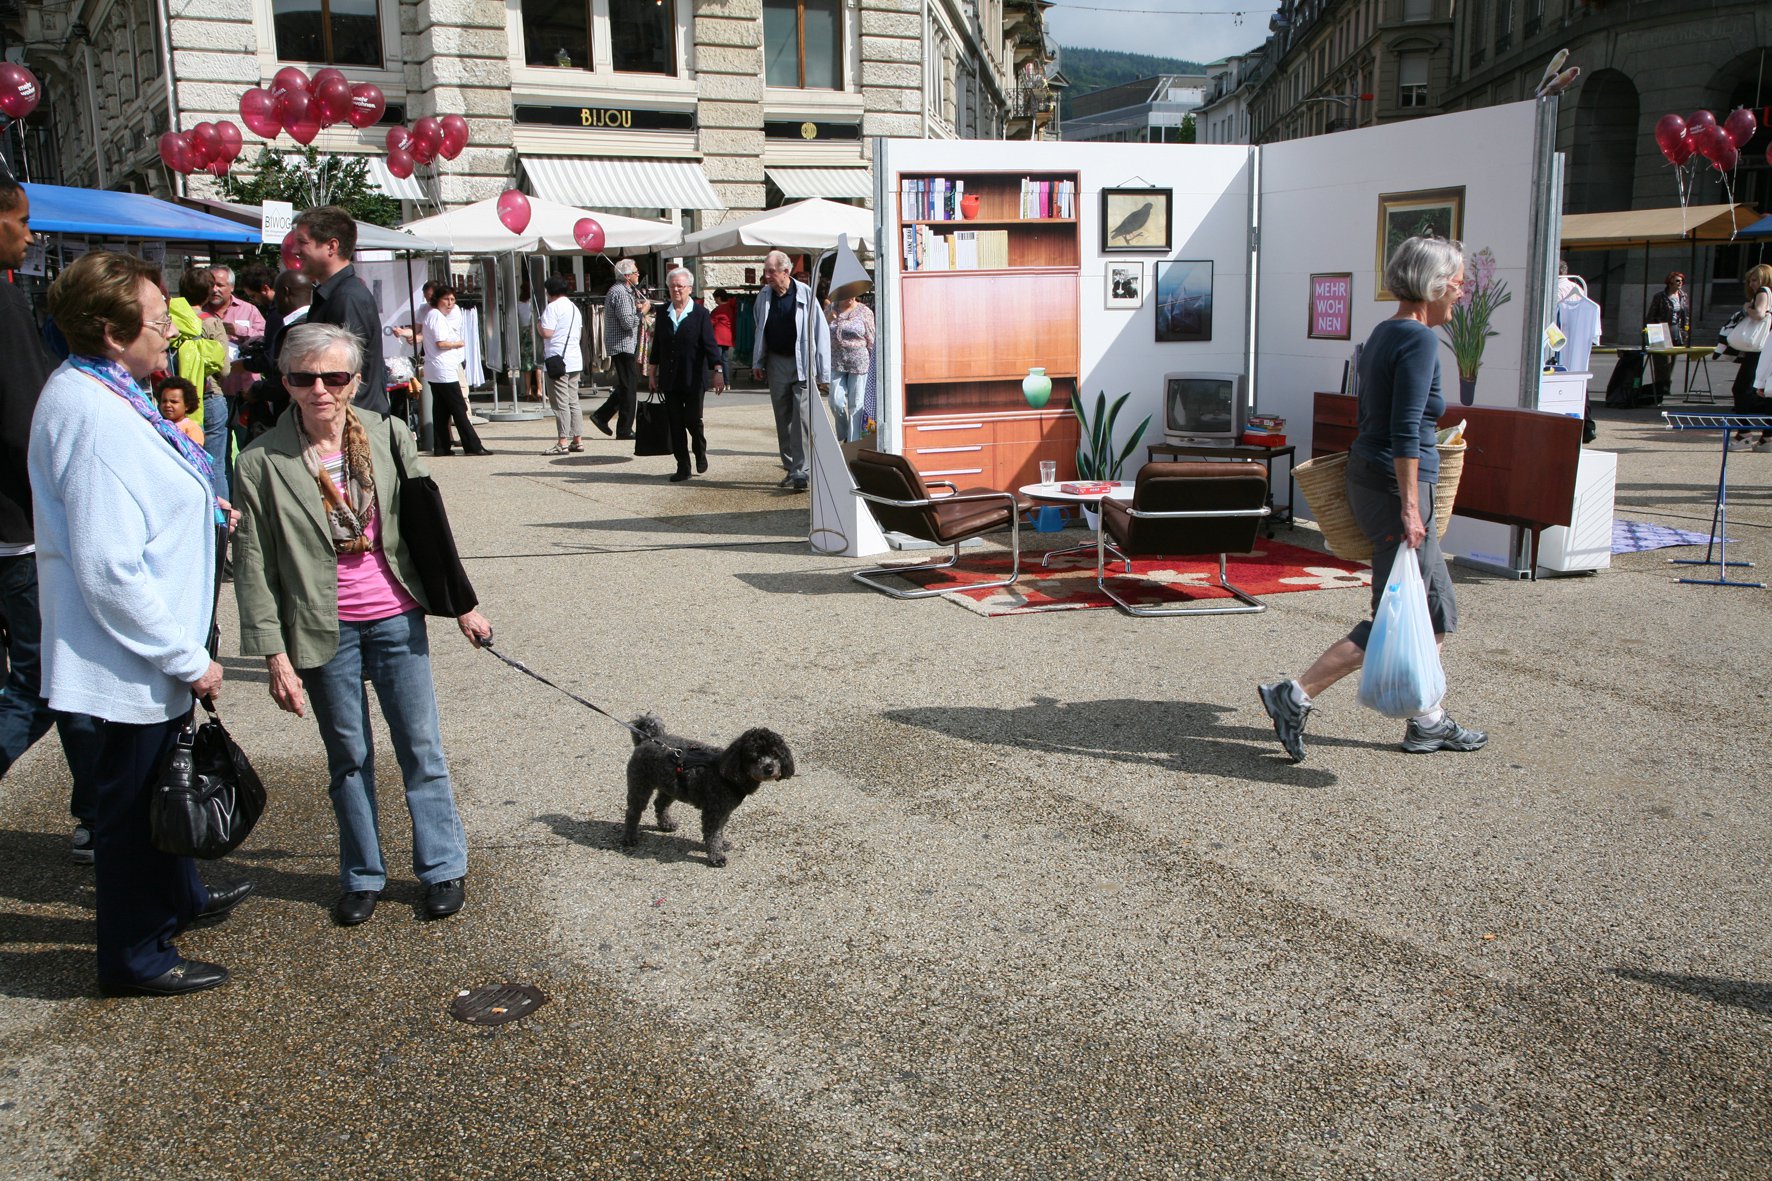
column 1282, row 514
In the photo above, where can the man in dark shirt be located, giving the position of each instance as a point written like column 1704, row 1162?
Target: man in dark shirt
column 784, row 310
column 325, row 239
column 24, row 715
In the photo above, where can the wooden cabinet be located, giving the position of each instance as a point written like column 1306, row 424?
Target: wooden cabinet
column 971, row 333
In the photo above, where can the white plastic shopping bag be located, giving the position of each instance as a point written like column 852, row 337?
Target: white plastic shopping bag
column 1402, row 677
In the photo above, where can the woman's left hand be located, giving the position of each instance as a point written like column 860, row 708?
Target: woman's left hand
column 233, row 514
column 474, row 626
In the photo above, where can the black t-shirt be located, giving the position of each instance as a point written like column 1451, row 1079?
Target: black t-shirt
column 21, row 380
column 780, row 335
column 345, row 300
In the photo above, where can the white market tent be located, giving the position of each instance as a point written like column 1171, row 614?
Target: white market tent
column 811, row 225
column 475, row 229
column 369, row 237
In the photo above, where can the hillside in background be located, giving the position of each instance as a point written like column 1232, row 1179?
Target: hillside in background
column 1089, row 70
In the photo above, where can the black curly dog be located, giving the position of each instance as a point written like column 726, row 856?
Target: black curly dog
column 706, row 777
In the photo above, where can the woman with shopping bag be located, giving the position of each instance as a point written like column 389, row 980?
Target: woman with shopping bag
column 1392, row 477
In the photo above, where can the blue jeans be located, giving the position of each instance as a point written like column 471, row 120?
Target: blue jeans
column 394, row 655
column 24, row 714
column 848, row 402
column 215, row 440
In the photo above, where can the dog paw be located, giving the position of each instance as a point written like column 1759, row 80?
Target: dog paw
column 717, row 860
column 629, row 840
column 667, row 826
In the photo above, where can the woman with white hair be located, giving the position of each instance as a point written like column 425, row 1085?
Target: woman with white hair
column 683, row 358
column 1392, row 474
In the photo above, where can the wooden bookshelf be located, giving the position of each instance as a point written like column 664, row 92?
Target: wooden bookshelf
column 970, row 336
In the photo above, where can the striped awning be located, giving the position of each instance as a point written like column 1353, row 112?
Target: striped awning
column 389, row 184
column 591, row 182
column 834, row 184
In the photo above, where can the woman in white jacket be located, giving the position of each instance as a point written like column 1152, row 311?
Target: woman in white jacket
column 126, row 551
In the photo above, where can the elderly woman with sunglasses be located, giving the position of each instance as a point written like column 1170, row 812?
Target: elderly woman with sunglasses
column 329, row 595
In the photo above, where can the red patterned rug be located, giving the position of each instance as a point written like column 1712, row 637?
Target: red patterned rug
column 1069, row 583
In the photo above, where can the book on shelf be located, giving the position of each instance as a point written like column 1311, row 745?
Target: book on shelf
column 1048, row 198
column 930, row 198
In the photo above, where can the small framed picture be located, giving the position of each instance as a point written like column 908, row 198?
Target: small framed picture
column 1135, row 221
column 1425, row 213
column 1125, row 285
column 1332, row 306
column 1184, row 301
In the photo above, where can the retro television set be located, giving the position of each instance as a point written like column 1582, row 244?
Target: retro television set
column 1204, row 409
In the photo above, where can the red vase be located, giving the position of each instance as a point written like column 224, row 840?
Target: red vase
column 969, row 206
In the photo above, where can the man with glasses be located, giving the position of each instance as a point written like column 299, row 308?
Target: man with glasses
column 785, row 308
column 325, row 239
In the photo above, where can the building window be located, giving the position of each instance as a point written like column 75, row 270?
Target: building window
column 557, row 33
column 336, row 32
column 1412, row 80
column 641, row 34
column 1418, row 10
column 1534, row 17
column 1504, row 25
column 801, row 46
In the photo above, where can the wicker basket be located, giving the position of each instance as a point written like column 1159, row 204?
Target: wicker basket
column 1324, row 484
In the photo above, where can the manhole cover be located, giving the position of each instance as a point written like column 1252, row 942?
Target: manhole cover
column 495, row 1004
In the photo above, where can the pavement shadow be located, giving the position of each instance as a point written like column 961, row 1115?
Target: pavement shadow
column 806, row 582
column 683, row 845
column 1752, row 995
column 789, row 524
column 58, row 974
column 34, row 867
column 1181, row 736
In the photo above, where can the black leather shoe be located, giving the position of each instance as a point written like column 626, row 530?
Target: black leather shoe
column 222, row 901
column 624, row 438
column 701, row 465
column 443, row 899
column 601, row 425
column 184, row 976
column 800, row 484
column 679, row 477
column 354, row 907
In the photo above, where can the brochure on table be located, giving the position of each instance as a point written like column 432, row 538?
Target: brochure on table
column 1275, row 223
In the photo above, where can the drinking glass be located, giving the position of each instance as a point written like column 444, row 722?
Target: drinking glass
column 1048, row 471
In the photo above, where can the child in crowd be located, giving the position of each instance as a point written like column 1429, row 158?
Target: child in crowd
column 178, row 401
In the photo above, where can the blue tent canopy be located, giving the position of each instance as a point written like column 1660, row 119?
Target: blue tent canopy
column 99, row 213
column 1760, row 229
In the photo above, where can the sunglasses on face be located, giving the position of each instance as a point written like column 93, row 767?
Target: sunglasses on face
column 336, row 379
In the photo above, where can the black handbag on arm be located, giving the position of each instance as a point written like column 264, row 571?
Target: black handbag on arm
column 425, row 528
column 652, row 427
column 208, row 797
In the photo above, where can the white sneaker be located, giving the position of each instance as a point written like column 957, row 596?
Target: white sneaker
column 1740, row 445
column 80, row 849
column 1763, row 445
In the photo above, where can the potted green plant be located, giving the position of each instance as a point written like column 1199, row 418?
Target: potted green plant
column 1096, row 457
column 1468, row 331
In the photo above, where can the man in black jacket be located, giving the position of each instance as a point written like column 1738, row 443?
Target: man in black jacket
column 24, row 715
column 325, row 239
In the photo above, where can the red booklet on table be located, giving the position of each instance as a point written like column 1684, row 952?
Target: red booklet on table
column 1087, row 487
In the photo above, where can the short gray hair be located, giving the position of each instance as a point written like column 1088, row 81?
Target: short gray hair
column 219, row 269
column 626, row 267
column 684, row 271
column 1422, row 268
column 775, row 260
column 304, row 342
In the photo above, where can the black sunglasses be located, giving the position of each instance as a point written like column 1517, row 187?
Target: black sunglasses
column 337, row 379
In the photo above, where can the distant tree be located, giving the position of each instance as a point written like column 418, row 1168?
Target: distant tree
column 1089, row 70
column 1187, row 130
column 308, row 179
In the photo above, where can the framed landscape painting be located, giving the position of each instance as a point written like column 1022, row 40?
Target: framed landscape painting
column 1135, row 220
column 1431, row 213
column 1184, row 301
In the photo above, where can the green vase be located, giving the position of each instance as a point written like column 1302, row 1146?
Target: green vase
column 1036, row 387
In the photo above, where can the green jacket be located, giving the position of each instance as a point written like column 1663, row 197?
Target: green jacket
column 197, row 355
column 285, row 568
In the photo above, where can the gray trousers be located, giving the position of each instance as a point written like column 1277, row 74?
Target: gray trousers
column 789, row 399
column 563, row 398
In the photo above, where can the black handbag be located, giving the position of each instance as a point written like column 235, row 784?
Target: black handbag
column 424, row 526
column 555, row 365
column 208, row 797
column 652, row 428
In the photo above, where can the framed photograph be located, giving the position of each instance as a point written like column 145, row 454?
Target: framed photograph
column 1125, row 284
column 1432, row 213
column 1135, row 221
column 1184, row 301
column 1332, row 306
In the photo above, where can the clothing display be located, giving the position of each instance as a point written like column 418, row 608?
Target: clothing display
column 1579, row 318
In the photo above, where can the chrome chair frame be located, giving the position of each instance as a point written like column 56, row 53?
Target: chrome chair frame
column 1102, row 546
column 867, row 577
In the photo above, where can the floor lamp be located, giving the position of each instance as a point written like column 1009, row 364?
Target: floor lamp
column 848, row 278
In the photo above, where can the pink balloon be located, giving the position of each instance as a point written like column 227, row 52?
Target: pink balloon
column 399, row 139
column 454, row 125
column 304, row 131
column 588, row 234
column 291, row 260
column 232, row 141
column 293, row 106
column 288, row 80
column 208, row 138
column 332, row 99
column 1726, row 157
column 1712, row 142
column 400, row 163
column 258, row 110
column 324, row 73
column 197, row 152
column 219, row 166
column 1701, row 119
column 429, row 132
column 1740, row 126
column 367, row 105
column 513, row 211
column 422, row 152
column 173, row 152
column 19, row 90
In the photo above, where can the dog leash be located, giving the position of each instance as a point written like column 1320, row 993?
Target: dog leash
column 486, row 643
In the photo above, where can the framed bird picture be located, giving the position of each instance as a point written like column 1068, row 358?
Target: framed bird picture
column 1136, row 221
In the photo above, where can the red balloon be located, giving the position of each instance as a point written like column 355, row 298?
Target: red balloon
column 399, row 139
column 206, row 137
column 294, row 106
column 1701, row 119
column 454, row 125
column 232, row 140
column 422, row 152
column 20, row 91
column 322, row 75
column 367, row 104
column 219, row 166
column 400, row 163
column 1726, row 157
column 258, row 110
column 1669, row 129
column 173, row 152
column 451, row 147
column 1769, row 155
column 429, row 132
column 291, row 260
column 1740, row 126
column 332, row 100
column 304, row 131
column 289, row 80
column 588, row 234
column 1713, row 142
column 513, row 210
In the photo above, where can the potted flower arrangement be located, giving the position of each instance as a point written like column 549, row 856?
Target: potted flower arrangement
column 1468, row 330
column 1096, row 457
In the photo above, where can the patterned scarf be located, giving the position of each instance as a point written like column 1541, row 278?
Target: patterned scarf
column 347, row 516
column 122, row 383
